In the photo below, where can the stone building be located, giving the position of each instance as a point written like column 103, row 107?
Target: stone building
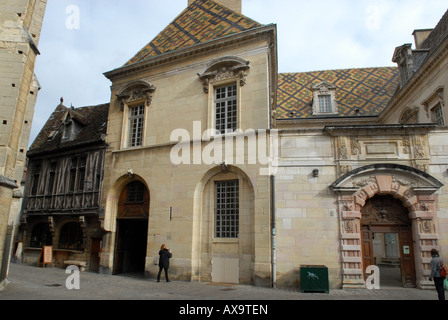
column 247, row 174
column 169, row 179
column 20, row 26
column 63, row 187
column 363, row 167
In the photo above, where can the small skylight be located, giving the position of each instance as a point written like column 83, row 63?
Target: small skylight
column 52, row 135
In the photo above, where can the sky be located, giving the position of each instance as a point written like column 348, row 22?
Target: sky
column 82, row 39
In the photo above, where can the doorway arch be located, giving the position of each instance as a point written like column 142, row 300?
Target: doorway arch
column 223, row 259
column 132, row 229
column 386, row 237
column 417, row 192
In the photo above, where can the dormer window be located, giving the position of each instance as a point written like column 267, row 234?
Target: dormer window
column 324, row 99
column 73, row 124
column 325, row 103
column 71, row 130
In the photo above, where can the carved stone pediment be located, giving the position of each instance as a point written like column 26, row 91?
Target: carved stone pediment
column 323, row 86
column 136, row 91
column 409, row 116
column 399, row 175
column 222, row 69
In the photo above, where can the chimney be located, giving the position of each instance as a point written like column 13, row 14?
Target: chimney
column 235, row 5
column 420, row 35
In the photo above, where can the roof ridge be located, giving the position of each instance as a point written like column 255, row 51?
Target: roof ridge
column 201, row 21
column 338, row 69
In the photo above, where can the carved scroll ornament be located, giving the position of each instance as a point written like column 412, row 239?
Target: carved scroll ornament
column 135, row 92
column 224, row 68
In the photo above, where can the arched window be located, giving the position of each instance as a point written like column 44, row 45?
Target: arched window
column 71, row 237
column 134, row 201
column 41, row 236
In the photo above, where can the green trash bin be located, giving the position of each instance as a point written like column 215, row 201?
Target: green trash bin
column 314, row 279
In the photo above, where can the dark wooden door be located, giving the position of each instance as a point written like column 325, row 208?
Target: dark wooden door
column 407, row 258
column 368, row 257
column 95, row 254
column 119, row 250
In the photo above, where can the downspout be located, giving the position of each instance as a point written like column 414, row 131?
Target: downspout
column 273, row 235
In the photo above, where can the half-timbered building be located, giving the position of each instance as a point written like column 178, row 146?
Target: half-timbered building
column 63, row 183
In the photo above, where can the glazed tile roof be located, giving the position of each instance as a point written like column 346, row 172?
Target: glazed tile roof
column 202, row 21
column 359, row 92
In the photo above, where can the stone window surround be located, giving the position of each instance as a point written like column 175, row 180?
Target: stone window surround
column 324, row 88
column 434, row 101
column 220, row 72
column 134, row 94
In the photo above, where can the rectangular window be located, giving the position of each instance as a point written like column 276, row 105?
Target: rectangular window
column 136, row 120
column 51, row 178
column 227, row 209
column 325, row 103
column 437, row 115
column 81, row 173
column 77, row 174
column 226, row 108
column 36, row 178
column 72, row 180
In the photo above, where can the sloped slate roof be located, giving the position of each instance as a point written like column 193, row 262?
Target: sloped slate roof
column 359, row 92
column 439, row 34
column 94, row 126
column 201, row 21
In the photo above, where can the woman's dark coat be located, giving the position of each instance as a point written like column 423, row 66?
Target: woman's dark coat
column 164, row 260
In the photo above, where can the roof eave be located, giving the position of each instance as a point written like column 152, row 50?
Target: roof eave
column 429, row 63
column 191, row 50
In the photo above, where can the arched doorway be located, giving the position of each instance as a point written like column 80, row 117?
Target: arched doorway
column 224, row 228
column 132, row 229
column 386, row 235
column 416, row 191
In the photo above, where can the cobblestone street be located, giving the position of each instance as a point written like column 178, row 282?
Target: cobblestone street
column 33, row 283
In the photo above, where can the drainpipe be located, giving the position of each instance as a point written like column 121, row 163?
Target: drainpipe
column 274, row 267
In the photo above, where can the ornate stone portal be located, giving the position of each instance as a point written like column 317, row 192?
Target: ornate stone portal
column 414, row 188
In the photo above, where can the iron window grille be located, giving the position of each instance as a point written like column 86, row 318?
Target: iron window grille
column 135, row 192
column 227, row 209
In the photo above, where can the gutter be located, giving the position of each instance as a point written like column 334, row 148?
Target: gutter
column 273, row 236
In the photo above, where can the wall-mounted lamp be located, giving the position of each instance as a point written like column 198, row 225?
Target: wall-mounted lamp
column 315, row 173
column 224, row 167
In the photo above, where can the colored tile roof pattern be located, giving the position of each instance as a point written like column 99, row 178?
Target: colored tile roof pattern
column 202, row 21
column 359, row 92
column 93, row 120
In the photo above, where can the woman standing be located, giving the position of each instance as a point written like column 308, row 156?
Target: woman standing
column 164, row 262
column 436, row 265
